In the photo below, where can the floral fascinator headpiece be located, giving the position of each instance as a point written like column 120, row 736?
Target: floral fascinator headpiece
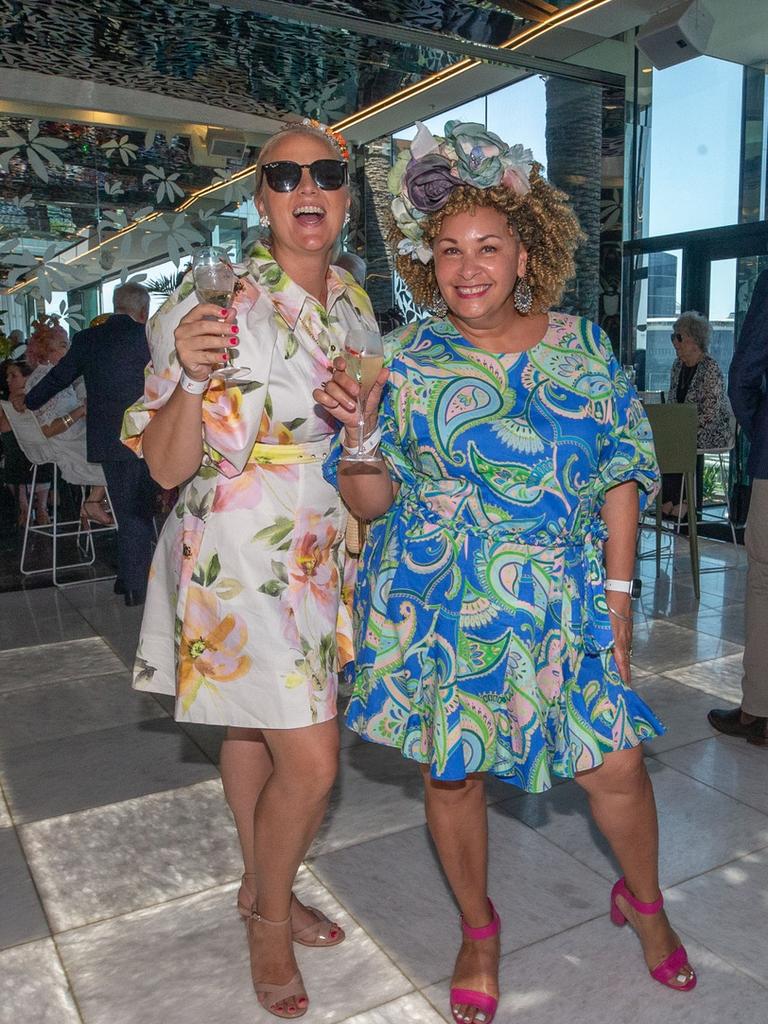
column 425, row 175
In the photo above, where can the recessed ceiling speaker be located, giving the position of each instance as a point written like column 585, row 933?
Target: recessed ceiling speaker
column 676, row 35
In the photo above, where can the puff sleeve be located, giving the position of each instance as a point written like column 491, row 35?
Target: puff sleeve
column 232, row 413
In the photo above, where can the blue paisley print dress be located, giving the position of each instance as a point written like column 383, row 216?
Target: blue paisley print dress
column 483, row 642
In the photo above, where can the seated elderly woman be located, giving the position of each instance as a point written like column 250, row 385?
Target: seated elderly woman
column 62, row 419
column 696, row 378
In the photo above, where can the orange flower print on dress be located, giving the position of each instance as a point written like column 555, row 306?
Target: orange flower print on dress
column 211, row 647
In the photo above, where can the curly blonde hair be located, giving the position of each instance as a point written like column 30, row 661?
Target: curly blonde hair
column 543, row 220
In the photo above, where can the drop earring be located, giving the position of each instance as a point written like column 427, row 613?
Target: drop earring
column 264, row 220
column 522, row 296
column 346, row 219
column 438, row 305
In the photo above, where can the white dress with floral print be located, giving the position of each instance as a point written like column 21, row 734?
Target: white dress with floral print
column 247, row 619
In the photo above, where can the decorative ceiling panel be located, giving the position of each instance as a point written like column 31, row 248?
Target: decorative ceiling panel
column 224, row 55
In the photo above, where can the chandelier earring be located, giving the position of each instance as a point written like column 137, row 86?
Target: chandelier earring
column 346, row 219
column 264, row 221
column 522, row 296
column 438, row 305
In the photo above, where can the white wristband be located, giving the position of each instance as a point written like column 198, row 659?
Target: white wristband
column 622, row 586
column 370, row 443
column 192, row 386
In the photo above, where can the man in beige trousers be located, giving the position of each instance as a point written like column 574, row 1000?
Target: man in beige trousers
column 748, row 391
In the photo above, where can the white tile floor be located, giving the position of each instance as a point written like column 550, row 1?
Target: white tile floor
column 118, row 859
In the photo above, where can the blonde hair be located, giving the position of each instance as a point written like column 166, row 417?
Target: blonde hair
column 543, row 220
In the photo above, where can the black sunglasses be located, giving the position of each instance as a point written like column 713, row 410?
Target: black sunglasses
column 285, row 175
column 676, row 337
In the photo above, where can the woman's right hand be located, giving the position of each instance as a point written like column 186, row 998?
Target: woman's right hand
column 339, row 397
column 203, row 337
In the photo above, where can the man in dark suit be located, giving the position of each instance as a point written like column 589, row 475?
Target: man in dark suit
column 748, row 391
column 111, row 359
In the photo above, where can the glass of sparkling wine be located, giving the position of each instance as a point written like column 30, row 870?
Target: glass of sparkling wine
column 364, row 356
column 215, row 282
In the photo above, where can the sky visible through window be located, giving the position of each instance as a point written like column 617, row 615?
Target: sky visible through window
column 694, row 158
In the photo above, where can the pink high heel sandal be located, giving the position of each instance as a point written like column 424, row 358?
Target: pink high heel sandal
column 485, row 1004
column 670, row 971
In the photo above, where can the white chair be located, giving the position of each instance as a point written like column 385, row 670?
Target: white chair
column 39, row 450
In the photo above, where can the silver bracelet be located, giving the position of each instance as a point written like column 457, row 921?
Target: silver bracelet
column 369, row 445
column 192, row 386
column 624, row 618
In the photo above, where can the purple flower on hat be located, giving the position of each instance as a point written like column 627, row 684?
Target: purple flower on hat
column 429, row 182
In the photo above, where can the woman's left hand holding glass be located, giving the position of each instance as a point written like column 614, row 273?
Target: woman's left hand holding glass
column 339, row 397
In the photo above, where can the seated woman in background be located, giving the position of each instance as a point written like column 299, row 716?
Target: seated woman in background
column 62, row 419
column 17, row 469
column 696, row 378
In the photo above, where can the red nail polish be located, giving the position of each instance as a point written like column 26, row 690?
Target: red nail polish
column 235, row 329
column 224, row 312
column 233, row 341
column 224, row 356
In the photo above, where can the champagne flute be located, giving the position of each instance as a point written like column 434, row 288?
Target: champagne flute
column 215, row 282
column 364, row 356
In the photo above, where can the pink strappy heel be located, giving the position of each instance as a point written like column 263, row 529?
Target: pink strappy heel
column 486, row 1004
column 671, row 971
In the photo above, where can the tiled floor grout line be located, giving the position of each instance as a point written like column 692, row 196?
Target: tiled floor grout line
column 43, row 909
column 684, row 771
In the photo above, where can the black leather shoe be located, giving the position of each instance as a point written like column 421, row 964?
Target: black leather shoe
column 730, row 723
column 133, row 598
column 119, row 587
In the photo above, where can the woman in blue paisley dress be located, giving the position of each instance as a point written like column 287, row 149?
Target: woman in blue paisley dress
column 513, row 459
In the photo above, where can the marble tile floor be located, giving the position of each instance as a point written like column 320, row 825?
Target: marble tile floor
column 119, row 861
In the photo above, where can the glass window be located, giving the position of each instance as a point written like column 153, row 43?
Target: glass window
column 695, row 146
column 656, row 282
column 518, row 113
column 722, row 306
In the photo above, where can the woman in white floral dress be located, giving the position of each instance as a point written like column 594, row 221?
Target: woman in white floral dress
column 246, row 620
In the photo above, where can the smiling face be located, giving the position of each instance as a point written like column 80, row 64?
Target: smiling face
column 308, row 219
column 478, row 259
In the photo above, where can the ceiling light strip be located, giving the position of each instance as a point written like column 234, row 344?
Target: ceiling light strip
column 526, row 36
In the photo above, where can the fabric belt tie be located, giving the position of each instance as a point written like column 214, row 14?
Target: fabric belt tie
column 289, row 454
column 588, row 623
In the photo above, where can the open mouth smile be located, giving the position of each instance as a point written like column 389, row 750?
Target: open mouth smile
column 309, row 214
column 471, row 291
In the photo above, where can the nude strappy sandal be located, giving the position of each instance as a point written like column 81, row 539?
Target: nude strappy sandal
column 269, row 994
column 321, row 932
